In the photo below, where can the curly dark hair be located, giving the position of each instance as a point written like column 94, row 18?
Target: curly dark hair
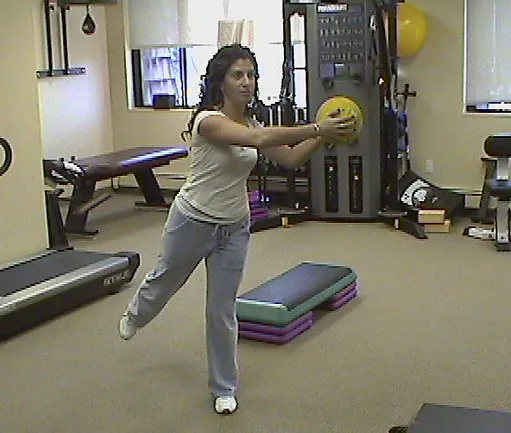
column 210, row 93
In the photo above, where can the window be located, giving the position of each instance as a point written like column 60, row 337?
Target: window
column 162, row 74
column 172, row 63
column 487, row 56
column 177, row 71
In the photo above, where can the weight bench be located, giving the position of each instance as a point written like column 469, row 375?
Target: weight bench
column 498, row 146
column 139, row 161
column 282, row 308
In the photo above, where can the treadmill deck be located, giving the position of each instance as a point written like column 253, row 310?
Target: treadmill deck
column 34, row 271
column 53, row 273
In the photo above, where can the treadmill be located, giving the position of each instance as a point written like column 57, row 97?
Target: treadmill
column 45, row 285
column 41, row 287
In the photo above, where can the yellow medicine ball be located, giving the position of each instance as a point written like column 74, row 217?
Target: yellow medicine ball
column 343, row 107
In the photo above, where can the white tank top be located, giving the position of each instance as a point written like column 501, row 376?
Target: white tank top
column 216, row 186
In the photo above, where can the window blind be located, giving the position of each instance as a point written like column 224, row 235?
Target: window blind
column 182, row 23
column 178, row 23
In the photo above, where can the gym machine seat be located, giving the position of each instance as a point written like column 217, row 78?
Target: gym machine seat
column 499, row 146
column 43, row 286
column 281, row 309
column 84, row 173
column 498, row 185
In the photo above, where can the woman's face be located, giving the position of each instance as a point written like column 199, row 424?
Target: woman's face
column 239, row 82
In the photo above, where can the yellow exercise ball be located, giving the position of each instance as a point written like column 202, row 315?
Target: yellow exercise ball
column 412, row 29
column 342, row 106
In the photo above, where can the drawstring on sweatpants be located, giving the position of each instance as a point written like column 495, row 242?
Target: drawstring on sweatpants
column 222, row 236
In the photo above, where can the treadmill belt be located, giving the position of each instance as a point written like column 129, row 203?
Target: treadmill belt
column 32, row 272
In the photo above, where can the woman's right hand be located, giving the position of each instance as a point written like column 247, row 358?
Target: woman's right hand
column 334, row 127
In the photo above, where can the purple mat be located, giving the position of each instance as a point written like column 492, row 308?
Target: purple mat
column 275, row 329
column 259, row 212
column 254, row 196
column 343, row 293
column 277, row 339
column 259, row 217
column 256, row 203
column 336, row 304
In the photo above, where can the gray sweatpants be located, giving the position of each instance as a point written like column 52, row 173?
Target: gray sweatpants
column 185, row 243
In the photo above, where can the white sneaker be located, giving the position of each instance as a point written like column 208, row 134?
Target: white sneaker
column 225, row 405
column 127, row 328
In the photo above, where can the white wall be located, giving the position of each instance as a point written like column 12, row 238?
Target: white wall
column 22, row 214
column 50, row 117
column 76, row 110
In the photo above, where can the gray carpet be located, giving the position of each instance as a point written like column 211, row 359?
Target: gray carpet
column 431, row 325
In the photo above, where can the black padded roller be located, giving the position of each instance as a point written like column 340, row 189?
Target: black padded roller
column 498, row 145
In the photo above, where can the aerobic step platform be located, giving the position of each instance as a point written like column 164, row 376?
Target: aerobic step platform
column 283, row 334
column 281, row 308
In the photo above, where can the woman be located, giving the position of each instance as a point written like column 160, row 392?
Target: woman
column 210, row 216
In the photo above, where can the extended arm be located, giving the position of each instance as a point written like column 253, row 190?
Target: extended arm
column 222, row 130
column 292, row 157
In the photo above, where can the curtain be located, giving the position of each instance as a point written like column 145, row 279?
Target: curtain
column 173, row 23
column 236, row 32
column 488, row 51
column 266, row 16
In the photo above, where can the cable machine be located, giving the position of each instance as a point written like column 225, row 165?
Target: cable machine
column 351, row 64
column 341, row 56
